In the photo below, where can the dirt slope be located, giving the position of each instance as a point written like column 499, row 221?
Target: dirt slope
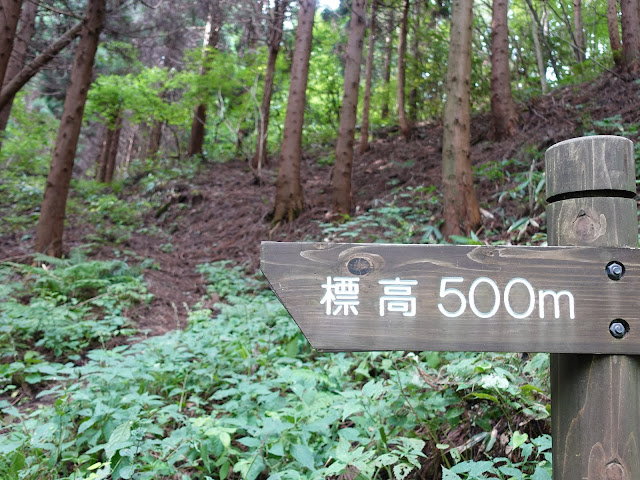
column 223, row 213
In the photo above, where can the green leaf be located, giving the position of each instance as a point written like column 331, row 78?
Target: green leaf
column 303, row 455
column 118, row 439
column 518, row 439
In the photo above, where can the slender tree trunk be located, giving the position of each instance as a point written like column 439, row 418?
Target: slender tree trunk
column 542, row 66
column 386, row 70
column 214, row 22
column 341, row 194
column 51, row 222
column 630, row 36
column 16, row 83
column 275, row 38
column 542, row 25
column 460, row 205
column 289, row 198
column 614, row 31
column 366, row 101
column 23, row 38
column 9, row 16
column 402, row 50
column 155, row 137
column 415, row 53
column 101, row 174
column 578, row 28
column 503, row 110
column 112, row 153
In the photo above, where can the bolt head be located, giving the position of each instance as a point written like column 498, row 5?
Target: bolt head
column 618, row 329
column 615, row 270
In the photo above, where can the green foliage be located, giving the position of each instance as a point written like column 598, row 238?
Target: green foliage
column 240, row 395
column 395, row 222
column 63, row 306
column 24, row 158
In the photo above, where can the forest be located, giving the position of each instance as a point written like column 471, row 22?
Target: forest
column 148, row 147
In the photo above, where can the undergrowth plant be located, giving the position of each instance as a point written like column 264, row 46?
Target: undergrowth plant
column 59, row 309
column 240, row 395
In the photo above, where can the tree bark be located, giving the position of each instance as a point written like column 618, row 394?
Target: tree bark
column 405, row 128
column 16, row 83
column 107, row 135
column 9, row 16
column 275, row 38
column 23, row 38
column 630, row 36
column 155, row 137
column 614, row 32
column 112, row 154
column 415, row 53
column 578, row 28
column 460, row 205
column 51, row 222
column 341, row 194
column 109, row 152
column 366, row 100
column 289, row 197
column 503, row 109
column 212, row 33
column 542, row 66
column 386, row 70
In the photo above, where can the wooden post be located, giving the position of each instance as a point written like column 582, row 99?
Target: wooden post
column 595, row 398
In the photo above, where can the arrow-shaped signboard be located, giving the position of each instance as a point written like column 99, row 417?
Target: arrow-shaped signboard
column 353, row 297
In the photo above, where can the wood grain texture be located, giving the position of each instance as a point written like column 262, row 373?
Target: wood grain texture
column 297, row 272
column 601, row 162
column 595, row 398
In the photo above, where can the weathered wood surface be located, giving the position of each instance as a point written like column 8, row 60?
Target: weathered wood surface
column 298, row 271
column 595, row 398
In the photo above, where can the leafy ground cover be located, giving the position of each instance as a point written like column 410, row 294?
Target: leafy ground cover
column 239, row 394
column 158, row 353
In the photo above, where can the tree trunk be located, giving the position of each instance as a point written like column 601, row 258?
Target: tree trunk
column 212, row 32
column 9, row 16
column 101, row 174
column 155, row 137
column 23, row 38
column 366, row 101
column 386, row 70
column 275, row 38
column 415, row 53
column 289, row 197
column 460, row 205
column 402, row 50
column 16, row 83
column 51, row 222
column 503, row 110
column 578, row 28
column 542, row 25
column 112, row 153
column 341, row 194
column 614, row 32
column 630, row 36
column 542, row 66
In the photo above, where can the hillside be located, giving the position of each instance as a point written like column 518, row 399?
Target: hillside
column 222, row 212
column 208, row 377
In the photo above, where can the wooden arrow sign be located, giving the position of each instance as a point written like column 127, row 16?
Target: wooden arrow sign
column 363, row 297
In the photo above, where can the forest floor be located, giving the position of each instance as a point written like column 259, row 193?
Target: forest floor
column 223, row 213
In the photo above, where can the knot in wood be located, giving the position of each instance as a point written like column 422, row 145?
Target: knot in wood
column 589, row 226
column 614, row 471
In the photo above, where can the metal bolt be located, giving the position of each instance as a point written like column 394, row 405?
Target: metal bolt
column 615, row 270
column 618, row 328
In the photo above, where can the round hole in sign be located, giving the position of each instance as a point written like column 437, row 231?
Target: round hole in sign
column 619, row 328
column 614, row 270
